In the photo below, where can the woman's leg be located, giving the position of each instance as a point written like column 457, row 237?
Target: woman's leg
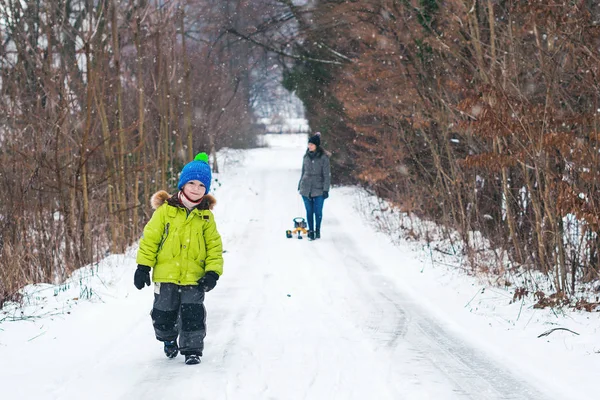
column 310, row 212
column 318, row 209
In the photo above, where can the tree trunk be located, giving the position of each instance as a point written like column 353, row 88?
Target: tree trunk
column 187, row 105
column 510, row 218
column 111, row 163
column 139, row 155
column 122, row 169
column 83, row 154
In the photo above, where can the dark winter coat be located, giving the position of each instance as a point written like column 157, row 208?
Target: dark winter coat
column 316, row 174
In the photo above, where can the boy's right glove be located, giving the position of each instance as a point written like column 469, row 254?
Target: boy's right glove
column 141, row 277
column 208, row 281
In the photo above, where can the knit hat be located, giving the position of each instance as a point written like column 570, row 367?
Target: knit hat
column 196, row 170
column 315, row 139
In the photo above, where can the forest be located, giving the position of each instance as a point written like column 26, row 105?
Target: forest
column 478, row 115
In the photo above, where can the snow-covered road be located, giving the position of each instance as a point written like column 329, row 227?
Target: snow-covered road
column 289, row 319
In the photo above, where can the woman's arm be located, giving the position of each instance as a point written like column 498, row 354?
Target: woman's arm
column 301, row 175
column 326, row 174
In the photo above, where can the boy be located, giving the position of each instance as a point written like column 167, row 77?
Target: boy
column 182, row 247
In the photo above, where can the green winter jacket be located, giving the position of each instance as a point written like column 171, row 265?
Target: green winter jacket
column 181, row 248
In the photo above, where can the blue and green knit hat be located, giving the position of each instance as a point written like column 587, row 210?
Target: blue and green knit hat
column 196, row 170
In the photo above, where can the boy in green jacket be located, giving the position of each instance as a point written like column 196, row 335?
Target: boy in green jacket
column 182, row 247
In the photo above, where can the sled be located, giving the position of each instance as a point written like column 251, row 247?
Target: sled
column 299, row 228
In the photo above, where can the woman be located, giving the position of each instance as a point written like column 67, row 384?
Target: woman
column 314, row 184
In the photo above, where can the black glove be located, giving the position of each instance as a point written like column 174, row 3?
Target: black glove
column 141, row 277
column 325, row 194
column 208, row 281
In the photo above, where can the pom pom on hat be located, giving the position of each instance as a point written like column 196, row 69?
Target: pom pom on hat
column 196, row 170
column 201, row 157
column 315, row 139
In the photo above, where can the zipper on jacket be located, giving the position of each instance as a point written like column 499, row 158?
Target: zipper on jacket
column 165, row 235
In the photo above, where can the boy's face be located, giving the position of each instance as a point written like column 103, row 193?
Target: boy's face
column 194, row 190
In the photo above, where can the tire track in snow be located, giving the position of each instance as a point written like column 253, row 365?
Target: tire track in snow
column 473, row 374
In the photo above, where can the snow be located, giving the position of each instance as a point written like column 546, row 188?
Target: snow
column 284, row 125
column 350, row 316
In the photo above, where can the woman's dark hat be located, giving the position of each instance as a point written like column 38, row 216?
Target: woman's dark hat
column 315, row 139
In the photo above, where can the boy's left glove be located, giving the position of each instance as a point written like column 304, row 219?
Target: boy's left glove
column 208, row 281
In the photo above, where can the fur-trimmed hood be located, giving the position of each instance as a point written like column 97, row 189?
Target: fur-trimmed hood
column 160, row 197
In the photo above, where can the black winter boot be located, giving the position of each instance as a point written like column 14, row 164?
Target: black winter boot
column 311, row 235
column 191, row 359
column 171, row 349
column 318, row 234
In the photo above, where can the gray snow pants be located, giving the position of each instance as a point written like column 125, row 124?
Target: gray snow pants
column 179, row 311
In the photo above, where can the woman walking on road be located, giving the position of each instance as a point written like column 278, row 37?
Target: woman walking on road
column 314, row 184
